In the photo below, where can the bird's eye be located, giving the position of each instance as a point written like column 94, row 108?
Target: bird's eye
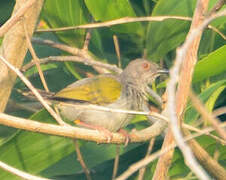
column 146, row 66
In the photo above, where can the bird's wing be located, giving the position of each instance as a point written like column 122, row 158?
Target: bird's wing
column 99, row 90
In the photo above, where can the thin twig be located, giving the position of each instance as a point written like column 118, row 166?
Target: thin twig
column 36, row 93
column 77, row 52
column 14, row 47
column 174, row 74
column 220, row 111
column 152, row 114
column 116, row 162
column 19, row 173
column 123, row 20
column 219, row 4
column 72, row 50
column 28, row 106
column 208, row 162
column 145, row 161
column 176, row 107
column 53, row 59
column 79, row 133
column 217, row 31
column 72, row 59
column 206, row 115
column 81, row 160
column 16, row 17
column 87, row 40
column 185, row 78
column 35, row 58
column 142, row 170
column 117, row 49
column 85, row 134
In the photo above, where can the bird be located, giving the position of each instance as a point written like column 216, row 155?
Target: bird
column 127, row 91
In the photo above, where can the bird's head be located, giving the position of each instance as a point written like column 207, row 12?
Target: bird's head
column 141, row 72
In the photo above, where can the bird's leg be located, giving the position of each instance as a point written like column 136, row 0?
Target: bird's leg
column 126, row 135
column 106, row 132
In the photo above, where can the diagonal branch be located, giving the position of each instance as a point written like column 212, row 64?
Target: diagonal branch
column 206, row 115
column 79, row 133
column 187, row 53
column 123, row 20
column 145, row 161
column 34, row 91
column 14, row 46
column 20, row 173
column 16, row 17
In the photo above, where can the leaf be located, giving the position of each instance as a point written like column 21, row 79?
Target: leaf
column 208, row 95
column 33, row 152
column 103, row 10
column 93, row 155
column 5, row 11
column 211, row 65
column 66, row 13
column 165, row 36
column 213, row 98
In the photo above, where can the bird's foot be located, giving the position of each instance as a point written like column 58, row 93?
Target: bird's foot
column 106, row 132
column 126, row 135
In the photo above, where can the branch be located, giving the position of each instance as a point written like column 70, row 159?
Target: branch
column 76, row 52
column 145, row 161
column 16, row 17
column 72, row 59
column 35, row 92
column 123, row 20
column 210, row 164
column 206, row 115
column 19, row 173
column 186, row 53
column 81, row 160
column 14, row 46
column 142, row 170
column 183, row 89
column 219, row 4
column 35, row 58
column 79, row 133
column 116, row 162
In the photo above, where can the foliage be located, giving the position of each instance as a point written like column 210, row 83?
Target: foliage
column 54, row 157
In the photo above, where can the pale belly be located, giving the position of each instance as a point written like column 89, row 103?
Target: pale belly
column 112, row 121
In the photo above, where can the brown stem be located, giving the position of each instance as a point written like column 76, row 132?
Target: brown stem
column 116, row 162
column 81, row 160
column 14, row 46
column 142, row 170
column 79, row 133
column 211, row 165
column 184, row 84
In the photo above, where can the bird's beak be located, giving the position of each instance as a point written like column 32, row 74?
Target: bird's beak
column 163, row 71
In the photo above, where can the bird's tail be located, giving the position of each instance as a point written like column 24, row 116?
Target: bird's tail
column 30, row 94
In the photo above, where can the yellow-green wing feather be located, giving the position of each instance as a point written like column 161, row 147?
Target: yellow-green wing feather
column 98, row 90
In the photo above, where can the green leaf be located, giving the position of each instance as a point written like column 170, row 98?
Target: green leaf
column 93, row 155
column 5, row 11
column 209, row 95
column 213, row 98
column 66, row 13
column 165, row 36
column 33, row 152
column 103, row 10
column 211, row 65
column 219, row 21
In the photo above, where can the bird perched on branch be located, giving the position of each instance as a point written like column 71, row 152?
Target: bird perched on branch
column 126, row 91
